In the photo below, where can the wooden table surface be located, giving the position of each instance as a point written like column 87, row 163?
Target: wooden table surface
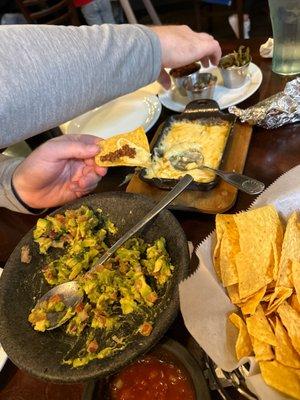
column 271, row 153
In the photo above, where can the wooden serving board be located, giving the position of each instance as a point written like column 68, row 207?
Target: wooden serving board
column 217, row 200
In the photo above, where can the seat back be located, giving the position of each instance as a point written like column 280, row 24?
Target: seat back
column 51, row 12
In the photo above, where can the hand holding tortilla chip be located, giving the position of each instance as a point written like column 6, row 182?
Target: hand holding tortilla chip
column 127, row 149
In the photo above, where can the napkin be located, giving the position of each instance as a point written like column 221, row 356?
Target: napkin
column 266, row 49
column 205, row 304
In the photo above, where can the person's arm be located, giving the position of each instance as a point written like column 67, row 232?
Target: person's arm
column 50, row 74
column 7, row 197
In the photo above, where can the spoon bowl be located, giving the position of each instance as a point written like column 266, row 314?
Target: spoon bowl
column 187, row 160
column 71, row 294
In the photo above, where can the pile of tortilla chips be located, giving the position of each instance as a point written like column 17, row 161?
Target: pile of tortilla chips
column 257, row 259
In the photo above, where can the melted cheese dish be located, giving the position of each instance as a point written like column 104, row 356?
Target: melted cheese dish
column 209, row 138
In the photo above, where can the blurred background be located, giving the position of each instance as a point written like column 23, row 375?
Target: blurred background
column 213, row 16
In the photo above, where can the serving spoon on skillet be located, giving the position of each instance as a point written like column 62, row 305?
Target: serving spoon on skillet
column 189, row 159
column 71, row 292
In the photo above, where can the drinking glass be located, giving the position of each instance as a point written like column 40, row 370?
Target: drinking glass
column 285, row 18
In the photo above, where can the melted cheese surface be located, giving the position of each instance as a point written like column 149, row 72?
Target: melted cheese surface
column 209, row 138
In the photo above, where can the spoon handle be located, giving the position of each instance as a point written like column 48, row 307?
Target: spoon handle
column 242, row 182
column 181, row 185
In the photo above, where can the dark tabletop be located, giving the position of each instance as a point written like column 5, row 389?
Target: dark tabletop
column 271, row 153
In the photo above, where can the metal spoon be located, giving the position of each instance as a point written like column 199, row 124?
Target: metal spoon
column 72, row 293
column 193, row 158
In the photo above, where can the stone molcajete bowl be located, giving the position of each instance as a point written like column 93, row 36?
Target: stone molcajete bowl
column 41, row 354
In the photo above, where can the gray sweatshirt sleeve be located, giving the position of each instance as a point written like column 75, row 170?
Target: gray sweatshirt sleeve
column 7, row 198
column 51, row 74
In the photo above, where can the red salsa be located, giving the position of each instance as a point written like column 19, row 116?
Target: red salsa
column 152, row 379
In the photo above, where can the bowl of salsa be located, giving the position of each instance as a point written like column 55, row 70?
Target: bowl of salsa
column 169, row 372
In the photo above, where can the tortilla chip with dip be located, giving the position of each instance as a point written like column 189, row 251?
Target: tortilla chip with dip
column 127, row 149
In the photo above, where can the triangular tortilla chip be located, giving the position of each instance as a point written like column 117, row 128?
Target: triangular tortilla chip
column 128, row 149
column 291, row 320
column 259, row 237
column 259, row 327
column 226, row 248
column 280, row 377
column 263, row 351
column 278, row 297
column 243, row 346
column 267, row 297
column 250, row 282
column 290, row 251
column 284, row 351
column 229, row 247
column 233, row 293
column 249, row 307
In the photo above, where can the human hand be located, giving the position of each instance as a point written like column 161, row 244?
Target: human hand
column 181, row 46
column 58, row 171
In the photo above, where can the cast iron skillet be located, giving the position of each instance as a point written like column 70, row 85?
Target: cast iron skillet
column 204, row 111
column 21, row 284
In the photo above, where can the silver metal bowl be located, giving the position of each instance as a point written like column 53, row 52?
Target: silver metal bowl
column 201, row 86
column 234, row 77
column 179, row 82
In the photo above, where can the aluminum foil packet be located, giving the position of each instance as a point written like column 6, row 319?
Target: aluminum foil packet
column 277, row 110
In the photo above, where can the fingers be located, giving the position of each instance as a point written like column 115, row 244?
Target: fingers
column 70, row 147
column 214, row 52
column 181, row 46
column 164, row 79
column 205, row 62
column 85, row 184
column 208, row 48
column 64, row 150
column 82, row 138
column 99, row 170
column 87, row 181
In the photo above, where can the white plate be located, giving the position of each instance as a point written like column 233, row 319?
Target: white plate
column 3, row 355
column 225, row 97
column 124, row 114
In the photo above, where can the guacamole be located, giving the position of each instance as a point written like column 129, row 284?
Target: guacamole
column 119, row 296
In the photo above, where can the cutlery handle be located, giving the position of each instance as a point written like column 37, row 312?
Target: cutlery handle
column 242, row 182
column 181, row 185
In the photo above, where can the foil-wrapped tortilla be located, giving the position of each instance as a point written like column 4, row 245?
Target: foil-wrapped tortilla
column 277, row 110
